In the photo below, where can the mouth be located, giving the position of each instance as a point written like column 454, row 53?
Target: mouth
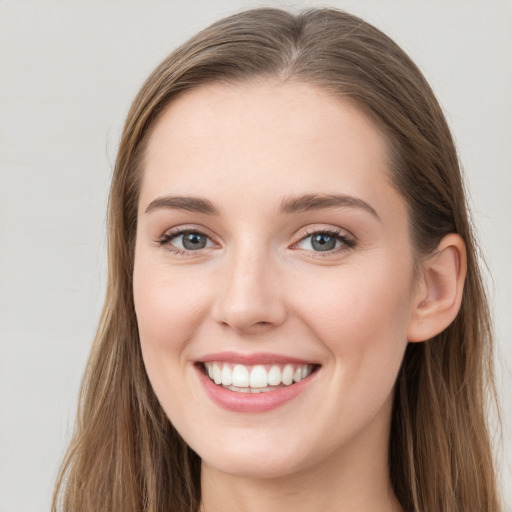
column 256, row 378
column 255, row 383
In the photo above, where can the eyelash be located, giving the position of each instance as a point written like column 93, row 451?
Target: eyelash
column 347, row 241
column 165, row 240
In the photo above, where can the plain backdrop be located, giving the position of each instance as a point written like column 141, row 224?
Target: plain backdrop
column 68, row 71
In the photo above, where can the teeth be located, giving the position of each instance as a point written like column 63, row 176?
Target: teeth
column 227, row 376
column 240, row 376
column 287, row 377
column 250, row 390
column 255, row 379
column 217, row 373
column 274, row 376
column 258, row 377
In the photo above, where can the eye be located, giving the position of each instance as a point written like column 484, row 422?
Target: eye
column 185, row 240
column 325, row 241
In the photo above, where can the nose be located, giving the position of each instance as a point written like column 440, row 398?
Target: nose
column 250, row 298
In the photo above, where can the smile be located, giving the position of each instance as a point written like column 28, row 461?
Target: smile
column 254, row 383
column 255, row 378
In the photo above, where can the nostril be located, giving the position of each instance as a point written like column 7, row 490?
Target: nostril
column 246, row 325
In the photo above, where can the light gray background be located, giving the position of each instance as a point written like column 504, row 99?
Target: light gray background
column 68, row 71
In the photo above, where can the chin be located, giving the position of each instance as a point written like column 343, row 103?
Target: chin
column 261, row 466
column 259, row 457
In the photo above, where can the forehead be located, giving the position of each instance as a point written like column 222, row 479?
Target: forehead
column 265, row 140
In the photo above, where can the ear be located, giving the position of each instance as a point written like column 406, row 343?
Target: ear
column 439, row 291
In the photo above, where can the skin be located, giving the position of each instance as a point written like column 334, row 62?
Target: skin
column 259, row 286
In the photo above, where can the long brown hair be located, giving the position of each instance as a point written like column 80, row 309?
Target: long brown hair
column 125, row 455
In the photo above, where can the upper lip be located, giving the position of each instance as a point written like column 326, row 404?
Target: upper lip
column 253, row 359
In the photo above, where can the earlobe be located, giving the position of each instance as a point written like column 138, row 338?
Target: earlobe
column 440, row 292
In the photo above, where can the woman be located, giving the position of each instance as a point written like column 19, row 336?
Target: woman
column 295, row 317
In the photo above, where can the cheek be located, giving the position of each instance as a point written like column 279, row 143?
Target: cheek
column 168, row 309
column 362, row 317
column 168, row 306
column 363, row 323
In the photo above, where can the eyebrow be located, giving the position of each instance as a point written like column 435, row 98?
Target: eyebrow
column 324, row 201
column 191, row 204
column 288, row 204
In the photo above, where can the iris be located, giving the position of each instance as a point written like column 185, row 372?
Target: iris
column 323, row 242
column 193, row 241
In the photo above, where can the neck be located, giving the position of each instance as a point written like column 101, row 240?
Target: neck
column 356, row 479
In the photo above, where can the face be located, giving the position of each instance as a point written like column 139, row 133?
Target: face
column 273, row 277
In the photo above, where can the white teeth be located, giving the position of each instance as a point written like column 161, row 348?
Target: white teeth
column 250, row 390
column 287, row 377
column 255, row 379
column 274, row 376
column 217, row 374
column 240, row 390
column 227, row 376
column 240, row 376
column 258, row 377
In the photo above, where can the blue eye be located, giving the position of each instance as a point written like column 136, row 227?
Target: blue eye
column 193, row 241
column 325, row 241
column 186, row 240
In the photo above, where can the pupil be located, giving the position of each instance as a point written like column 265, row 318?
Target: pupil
column 323, row 242
column 194, row 241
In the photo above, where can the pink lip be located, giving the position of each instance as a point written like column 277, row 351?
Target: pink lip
column 252, row 359
column 251, row 402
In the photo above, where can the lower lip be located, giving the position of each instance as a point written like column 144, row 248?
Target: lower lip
column 252, row 402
